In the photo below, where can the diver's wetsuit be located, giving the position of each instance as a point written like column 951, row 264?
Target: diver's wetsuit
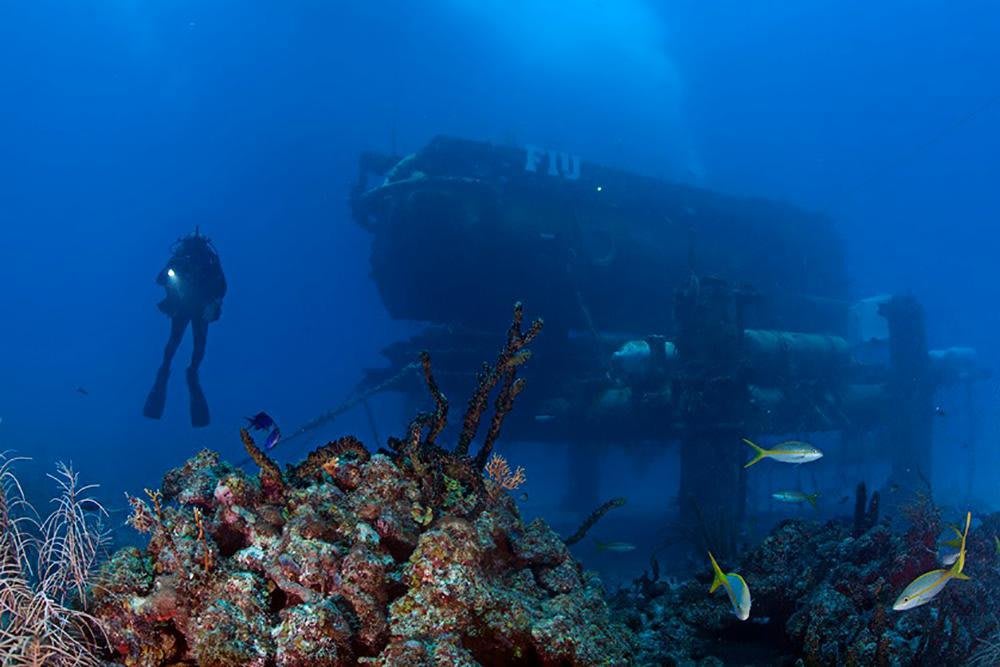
column 195, row 286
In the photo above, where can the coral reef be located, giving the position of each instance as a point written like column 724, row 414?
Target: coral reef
column 401, row 557
column 823, row 596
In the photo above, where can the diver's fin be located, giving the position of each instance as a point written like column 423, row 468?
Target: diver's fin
column 760, row 452
column 157, row 398
column 199, row 406
column 719, row 578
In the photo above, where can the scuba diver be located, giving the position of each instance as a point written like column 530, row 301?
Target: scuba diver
column 195, row 286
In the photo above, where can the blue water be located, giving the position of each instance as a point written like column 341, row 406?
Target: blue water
column 124, row 124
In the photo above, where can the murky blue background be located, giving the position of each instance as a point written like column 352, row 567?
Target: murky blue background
column 123, row 124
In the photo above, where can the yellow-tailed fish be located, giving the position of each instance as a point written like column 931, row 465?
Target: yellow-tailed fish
column 791, row 451
column 796, row 497
column 615, row 547
column 955, row 542
column 949, row 550
column 923, row 589
column 736, row 588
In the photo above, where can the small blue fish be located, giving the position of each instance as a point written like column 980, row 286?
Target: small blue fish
column 795, row 497
column 260, row 421
column 272, row 438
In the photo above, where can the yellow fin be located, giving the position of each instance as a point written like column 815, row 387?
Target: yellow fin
column 959, row 575
column 760, row 452
column 956, row 569
column 811, row 497
column 956, row 542
column 719, row 578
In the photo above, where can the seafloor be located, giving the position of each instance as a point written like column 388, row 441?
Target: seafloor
column 411, row 555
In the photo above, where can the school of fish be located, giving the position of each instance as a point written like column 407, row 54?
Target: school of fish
column 919, row 592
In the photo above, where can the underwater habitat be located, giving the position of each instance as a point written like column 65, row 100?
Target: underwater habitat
column 481, row 332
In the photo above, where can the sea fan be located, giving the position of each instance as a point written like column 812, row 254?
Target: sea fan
column 45, row 569
column 987, row 653
column 69, row 544
column 498, row 470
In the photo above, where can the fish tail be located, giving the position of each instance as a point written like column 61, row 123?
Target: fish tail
column 956, row 569
column 601, row 546
column 811, row 497
column 760, row 452
column 956, row 542
column 719, row 578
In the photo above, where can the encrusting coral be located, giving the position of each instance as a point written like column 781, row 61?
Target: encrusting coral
column 401, row 557
column 824, row 595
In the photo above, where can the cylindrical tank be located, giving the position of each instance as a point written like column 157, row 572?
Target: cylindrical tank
column 775, row 355
column 463, row 229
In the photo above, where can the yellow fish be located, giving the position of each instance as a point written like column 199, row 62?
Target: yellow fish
column 923, row 589
column 949, row 550
column 736, row 588
column 791, row 451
